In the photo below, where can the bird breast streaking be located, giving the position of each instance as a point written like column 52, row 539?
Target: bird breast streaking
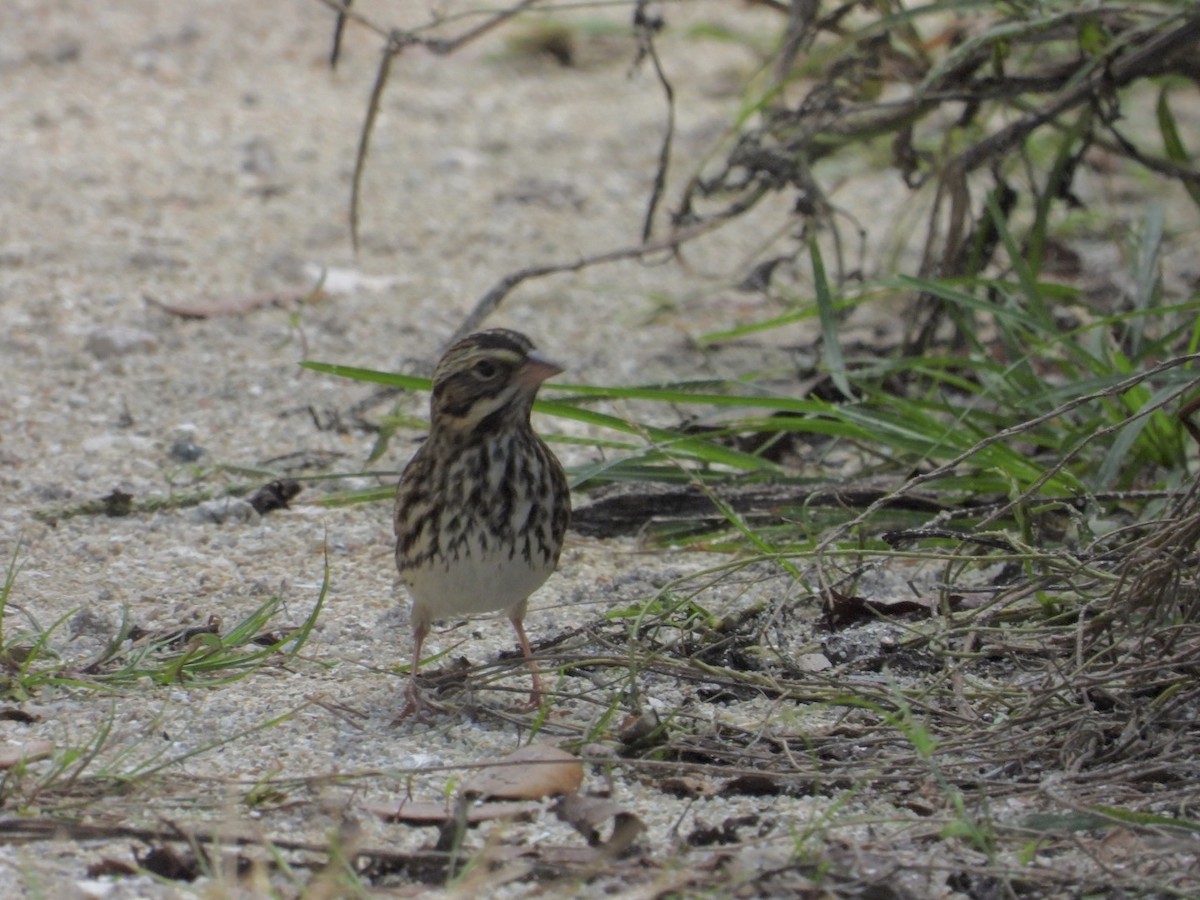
column 482, row 508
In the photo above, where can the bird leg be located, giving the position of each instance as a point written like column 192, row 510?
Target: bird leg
column 413, row 704
column 535, row 696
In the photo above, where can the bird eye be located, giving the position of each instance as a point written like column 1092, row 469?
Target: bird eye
column 484, row 369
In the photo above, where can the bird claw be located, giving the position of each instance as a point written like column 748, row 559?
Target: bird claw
column 410, row 711
column 416, row 707
column 531, row 705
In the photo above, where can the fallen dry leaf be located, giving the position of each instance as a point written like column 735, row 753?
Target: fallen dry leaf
column 274, row 495
column 29, row 751
column 167, row 862
column 588, row 814
column 112, row 868
column 433, row 813
column 16, row 714
column 753, row 784
column 687, row 786
column 704, row 835
column 528, row 773
column 845, row 609
column 229, row 306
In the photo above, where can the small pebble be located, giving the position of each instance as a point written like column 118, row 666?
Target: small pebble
column 185, row 451
column 111, row 341
column 222, row 511
column 813, row 662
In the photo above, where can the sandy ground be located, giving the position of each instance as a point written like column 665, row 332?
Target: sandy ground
column 198, row 155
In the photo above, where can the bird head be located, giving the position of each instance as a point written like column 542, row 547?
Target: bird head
column 488, row 380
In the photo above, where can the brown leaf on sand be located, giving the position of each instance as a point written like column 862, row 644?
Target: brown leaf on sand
column 529, row 773
column 688, row 786
column 588, row 815
column 16, row 714
column 434, row 813
column 111, row 868
column 842, row 609
column 511, row 788
column 29, row 751
column 167, row 862
column 230, row 306
column 274, row 495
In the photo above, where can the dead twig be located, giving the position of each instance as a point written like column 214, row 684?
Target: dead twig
column 396, row 41
column 646, row 24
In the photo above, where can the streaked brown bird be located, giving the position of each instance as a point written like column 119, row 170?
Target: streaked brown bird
column 482, row 507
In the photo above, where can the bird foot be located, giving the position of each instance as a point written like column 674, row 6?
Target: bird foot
column 533, row 703
column 415, row 712
column 416, row 707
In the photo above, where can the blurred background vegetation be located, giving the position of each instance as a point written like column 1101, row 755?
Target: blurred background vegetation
column 998, row 470
column 1039, row 142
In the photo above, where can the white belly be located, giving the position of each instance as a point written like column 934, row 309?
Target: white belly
column 474, row 583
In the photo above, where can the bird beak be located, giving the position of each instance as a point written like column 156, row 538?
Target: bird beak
column 537, row 369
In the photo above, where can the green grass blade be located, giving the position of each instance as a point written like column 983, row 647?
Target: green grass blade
column 1030, row 287
column 357, row 373
column 831, row 342
column 1173, row 144
column 664, row 439
column 1147, row 266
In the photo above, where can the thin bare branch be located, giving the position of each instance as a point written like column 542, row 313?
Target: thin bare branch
column 488, row 303
column 395, row 44
column 645, row 26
